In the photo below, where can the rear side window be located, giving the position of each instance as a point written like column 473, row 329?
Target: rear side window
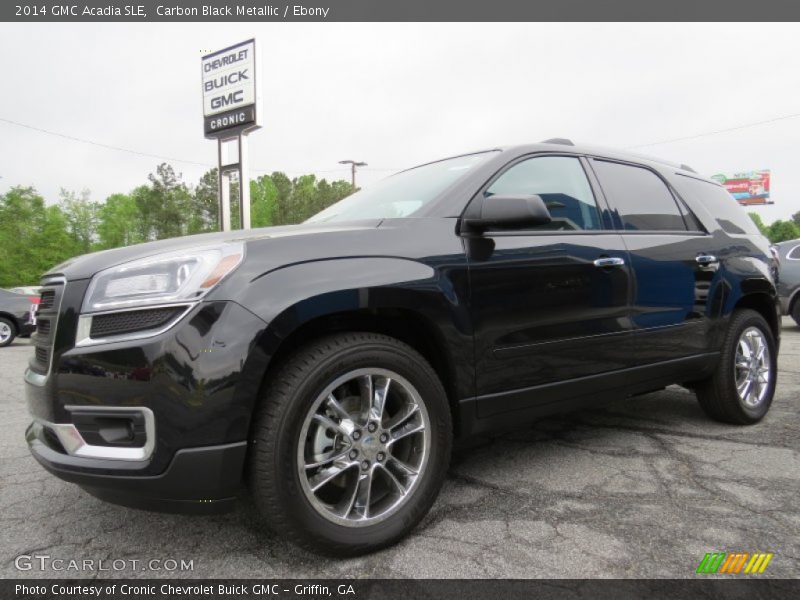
column 794, row 253
column 642, row 199
column 718, row 202
column 561, row 183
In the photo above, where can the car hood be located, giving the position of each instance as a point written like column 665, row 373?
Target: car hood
column 85, row 266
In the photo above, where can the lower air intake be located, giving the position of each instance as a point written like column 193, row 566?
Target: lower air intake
column 132, row 321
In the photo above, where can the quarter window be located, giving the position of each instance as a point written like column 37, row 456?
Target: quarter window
column 794, row 253
column 561, row 182
column 642, row 199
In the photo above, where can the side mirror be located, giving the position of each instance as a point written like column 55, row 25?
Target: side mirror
column 509, row 212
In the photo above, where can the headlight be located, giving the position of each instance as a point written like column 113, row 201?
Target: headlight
column 182, row 276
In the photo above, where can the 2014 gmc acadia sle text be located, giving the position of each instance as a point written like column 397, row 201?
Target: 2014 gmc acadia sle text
column 325, row 368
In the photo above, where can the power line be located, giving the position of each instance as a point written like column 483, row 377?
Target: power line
column 102, row 145
column 708, row 133
column 162, row 157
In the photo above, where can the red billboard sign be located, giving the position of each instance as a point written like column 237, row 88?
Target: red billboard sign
column 750, row 187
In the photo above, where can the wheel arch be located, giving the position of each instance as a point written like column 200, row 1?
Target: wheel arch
column 764, row 304
column 404, row 299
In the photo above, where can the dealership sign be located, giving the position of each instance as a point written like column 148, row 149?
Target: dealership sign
column 750, row 187
column 230, row 96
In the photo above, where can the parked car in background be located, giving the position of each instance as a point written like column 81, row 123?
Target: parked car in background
column 326, row 367
column 16, row 316
column 32, row 291
column 789, row 278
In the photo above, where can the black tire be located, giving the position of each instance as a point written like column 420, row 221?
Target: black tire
column 290, row 392
column 718, row 395
column 796, row 312
column 7, row 323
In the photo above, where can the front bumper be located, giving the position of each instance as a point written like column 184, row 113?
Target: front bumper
column 198, row 480
column 188, row 394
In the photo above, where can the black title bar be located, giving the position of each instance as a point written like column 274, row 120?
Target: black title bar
column 398, row 10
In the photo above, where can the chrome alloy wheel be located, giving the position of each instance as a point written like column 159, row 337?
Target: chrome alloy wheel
column 753, row 367
column 5, row 332
column 364, row 447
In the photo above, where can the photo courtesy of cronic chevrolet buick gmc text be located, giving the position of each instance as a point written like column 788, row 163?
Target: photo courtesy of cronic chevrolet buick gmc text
column 324, row 369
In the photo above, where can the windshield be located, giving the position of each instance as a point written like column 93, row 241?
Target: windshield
column 403, row 194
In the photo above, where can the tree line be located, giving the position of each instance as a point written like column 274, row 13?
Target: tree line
column 35, row 235
column 780, row 230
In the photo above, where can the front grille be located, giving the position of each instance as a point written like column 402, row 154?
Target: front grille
column 47, row 299
column 132, row 321
column 43, row 326
column 42, row 355
column 47, row 324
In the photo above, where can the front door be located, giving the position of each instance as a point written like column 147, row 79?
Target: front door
column 549, row 304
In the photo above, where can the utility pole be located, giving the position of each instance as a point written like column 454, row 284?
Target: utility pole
column 353, row 165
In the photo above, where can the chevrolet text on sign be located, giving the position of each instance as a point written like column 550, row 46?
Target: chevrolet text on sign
column 229, row 88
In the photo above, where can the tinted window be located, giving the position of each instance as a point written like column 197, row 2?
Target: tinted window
column 561, row 183
column 794, row 253
column 403, row 194
column 643, row 201
column 718, row 202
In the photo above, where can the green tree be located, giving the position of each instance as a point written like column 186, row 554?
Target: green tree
column 164, row 205
column 33, row 237
column 205, row 204
column 81, row 217
column 780, row 231
column 263, row 201
column 118, row 222
column 759, row 223
column 796, row 218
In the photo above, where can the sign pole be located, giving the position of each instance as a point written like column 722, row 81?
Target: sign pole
column 244, row 183
column 224, row 190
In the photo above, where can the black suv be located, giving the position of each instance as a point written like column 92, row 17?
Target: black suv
column 326, row 367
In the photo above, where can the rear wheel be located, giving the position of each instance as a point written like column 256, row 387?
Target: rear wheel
column 7, row 332
column 741, row 389
column 351, row 444
column 796, row 312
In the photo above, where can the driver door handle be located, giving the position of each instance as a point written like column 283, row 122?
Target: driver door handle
column 609, row 261
column 706, row 259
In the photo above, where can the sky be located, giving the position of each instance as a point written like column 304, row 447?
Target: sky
column 395, row 95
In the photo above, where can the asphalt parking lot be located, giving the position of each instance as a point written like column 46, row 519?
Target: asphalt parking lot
column 638, row 488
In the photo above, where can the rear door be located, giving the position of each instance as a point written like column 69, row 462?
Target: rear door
column 549, row 303
column 673, row 262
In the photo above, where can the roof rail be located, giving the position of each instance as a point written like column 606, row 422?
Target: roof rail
column 562, row 141
column 688, row 168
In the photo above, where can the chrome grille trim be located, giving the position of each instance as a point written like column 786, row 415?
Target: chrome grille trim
column 53, row 289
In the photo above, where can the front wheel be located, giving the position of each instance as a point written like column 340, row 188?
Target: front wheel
column 741, row 389
column 351, row 444
column 7, row 332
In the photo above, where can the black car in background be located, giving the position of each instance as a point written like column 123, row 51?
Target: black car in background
column 789, row 279
column 16, row 316
column 325, row 368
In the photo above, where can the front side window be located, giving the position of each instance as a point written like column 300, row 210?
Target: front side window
column 642, row 199
column 561, row 182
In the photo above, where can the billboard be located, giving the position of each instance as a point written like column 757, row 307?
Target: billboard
column 750, row 187
column 230, row 96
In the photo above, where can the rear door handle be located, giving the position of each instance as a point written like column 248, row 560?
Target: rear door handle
column 609, row 261
column 706, row 259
